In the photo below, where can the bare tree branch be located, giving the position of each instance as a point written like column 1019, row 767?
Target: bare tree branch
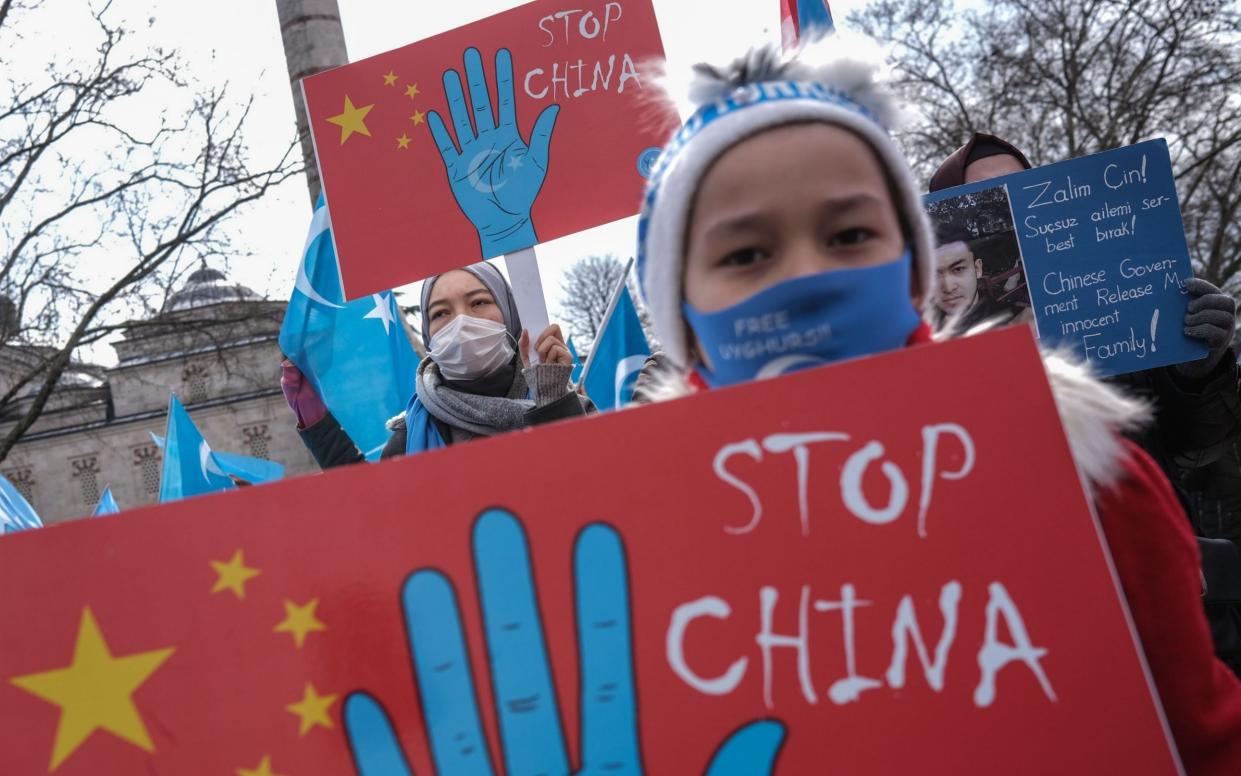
column 84, row 186
column 1065, row 78
column 588, row 285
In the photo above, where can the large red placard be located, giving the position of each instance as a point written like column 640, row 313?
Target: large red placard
column 553, row 133
column 779, row 539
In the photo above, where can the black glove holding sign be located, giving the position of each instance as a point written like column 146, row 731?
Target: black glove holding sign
column 1211, row 317
column 1197, row 405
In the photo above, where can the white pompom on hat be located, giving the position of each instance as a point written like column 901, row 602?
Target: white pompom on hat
column 840, row 80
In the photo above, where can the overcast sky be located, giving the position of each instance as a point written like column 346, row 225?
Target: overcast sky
column 238, row 42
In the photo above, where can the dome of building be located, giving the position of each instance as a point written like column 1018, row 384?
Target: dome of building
column 207, row 286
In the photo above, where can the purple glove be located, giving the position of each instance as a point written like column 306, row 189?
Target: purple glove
column 300, row 395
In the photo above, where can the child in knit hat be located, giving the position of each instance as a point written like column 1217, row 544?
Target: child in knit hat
column 782, row 229
column 783, row 190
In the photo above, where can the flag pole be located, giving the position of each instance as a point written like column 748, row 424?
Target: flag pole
column 607, row 318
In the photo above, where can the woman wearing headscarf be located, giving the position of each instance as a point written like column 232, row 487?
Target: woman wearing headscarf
column 476, row 380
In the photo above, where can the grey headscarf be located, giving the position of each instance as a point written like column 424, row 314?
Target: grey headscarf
column 500, row 290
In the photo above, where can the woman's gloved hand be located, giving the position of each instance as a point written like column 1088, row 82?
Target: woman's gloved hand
column 549, row 379
column 1211, row 317
column 300, row 395
column 550, row 346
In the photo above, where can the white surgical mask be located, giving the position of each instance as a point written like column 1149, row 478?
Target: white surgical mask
column 469, row 348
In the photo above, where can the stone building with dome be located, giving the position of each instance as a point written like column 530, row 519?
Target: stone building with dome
column 214, row 343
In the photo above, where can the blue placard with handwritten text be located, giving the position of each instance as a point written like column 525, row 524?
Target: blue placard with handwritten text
column 1104, row 254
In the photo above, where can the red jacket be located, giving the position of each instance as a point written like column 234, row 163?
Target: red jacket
column 1157, row 561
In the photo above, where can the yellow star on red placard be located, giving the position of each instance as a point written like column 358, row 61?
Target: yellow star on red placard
column 300, row 621
column 390, row 79
column 412, row 91
column 403, row 141
column 312, row 709
column 351, row 120
column 233, row 575
column 95, row 691
column 262, row 769
column 418, row 118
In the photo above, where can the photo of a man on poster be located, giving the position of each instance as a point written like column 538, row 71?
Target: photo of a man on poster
column 978, row 272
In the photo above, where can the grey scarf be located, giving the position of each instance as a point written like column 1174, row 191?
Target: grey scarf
column 475, row 414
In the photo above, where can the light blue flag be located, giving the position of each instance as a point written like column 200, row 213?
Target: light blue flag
column 618, row 355
column 255, row 471
column 16, row 514
column 577, row 363
column 189, row 467
column 107, row 504
column 355, row 354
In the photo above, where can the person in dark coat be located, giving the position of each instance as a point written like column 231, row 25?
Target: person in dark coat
column 1197, row 405
column 982, row 157
column 476, row 381
column 1196, row 436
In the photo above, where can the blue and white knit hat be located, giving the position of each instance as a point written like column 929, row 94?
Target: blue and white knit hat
column 837, row 81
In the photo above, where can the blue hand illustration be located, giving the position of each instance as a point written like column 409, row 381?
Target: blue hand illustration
column 525, row 696
column 495, row 176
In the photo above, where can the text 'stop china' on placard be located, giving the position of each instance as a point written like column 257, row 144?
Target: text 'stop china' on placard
column 1103, row 249
column 857, row 585
column 517, row 129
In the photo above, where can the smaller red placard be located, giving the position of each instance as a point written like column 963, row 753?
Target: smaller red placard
column 523, row 127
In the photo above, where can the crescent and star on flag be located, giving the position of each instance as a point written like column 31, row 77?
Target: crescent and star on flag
column 95, row 691
column 382, row 311
column 352, row 118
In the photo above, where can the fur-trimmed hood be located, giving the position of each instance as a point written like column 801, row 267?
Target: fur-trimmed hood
column 1094, row 415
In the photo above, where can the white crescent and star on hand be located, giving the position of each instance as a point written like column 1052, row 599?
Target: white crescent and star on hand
column 481, row 162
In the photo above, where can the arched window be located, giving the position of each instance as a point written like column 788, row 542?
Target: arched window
column 86, row 472
column 147, row 459
column 194, row 378
column 23, row 480
column 257, row 439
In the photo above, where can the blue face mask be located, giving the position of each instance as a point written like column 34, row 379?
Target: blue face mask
column 808, row 321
